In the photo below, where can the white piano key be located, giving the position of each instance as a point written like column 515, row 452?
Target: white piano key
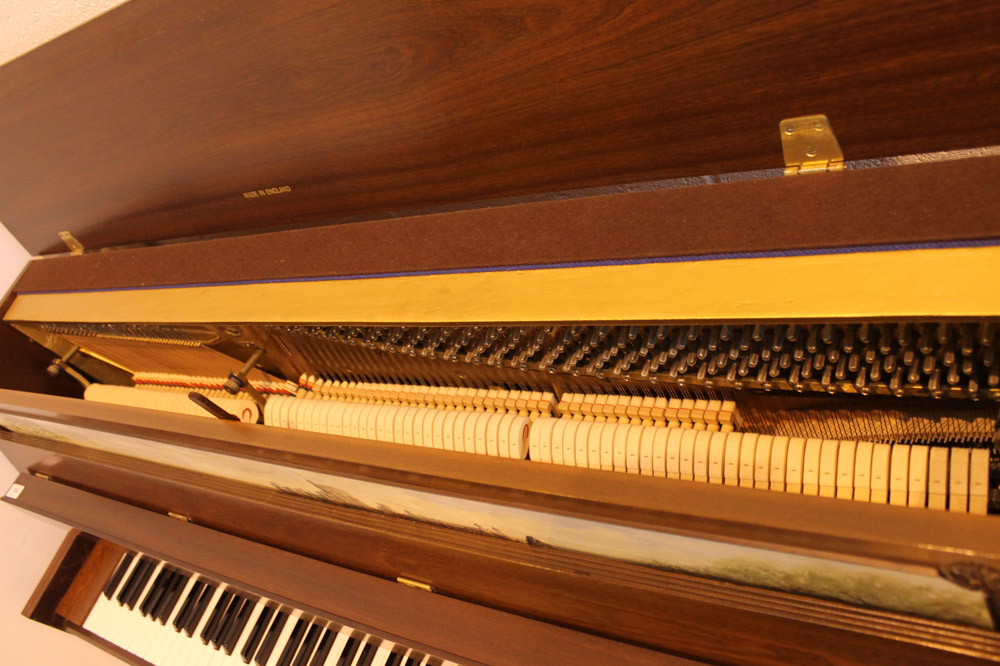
column 979, row 481
column 660, row 438
column 286, row 632
column 917, row 485
column 880, row 473
column 702, row 444
column 382, row 653
column 687, row 454
column 748, row 455
column 337, row 649
column 762, row 462
column 811, row 467
column 779, row 454
column 958, row 480
column 899, row 474
column 154, row 630
column 846, row 457
column 717, row 457
column 568, row 442
column 734, row 441
column 583, row 446
column 620, row 447
column 863, row 472
column 188, row 654
column 794, row 464
column 105, row 609
column 828, row 467
column 937, row 478
column 140, row 626
column 158, row 651
column 674, row 437
column 632, row 449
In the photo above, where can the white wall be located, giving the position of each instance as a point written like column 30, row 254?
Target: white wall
column 29, row 542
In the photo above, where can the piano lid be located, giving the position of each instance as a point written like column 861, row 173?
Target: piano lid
column 163, row 120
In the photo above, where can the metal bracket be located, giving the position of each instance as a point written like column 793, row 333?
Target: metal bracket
column 809, row 145
column 75, row 246
column 408, row 582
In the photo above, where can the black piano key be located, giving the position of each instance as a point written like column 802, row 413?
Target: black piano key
column 350, row 649
column 413, row 660
column 133, row 578
column 367, row 653
column 116, row 577
column 199, row 609
column 140, row 584
column 395, row 659
column 216, row 617
column 219, row 637
column 232, row 636
column 155, row 592
column 256, row 634
column 292, row 646
column 156, row 607
column 187, row 606
column 308, row 645
column 171, row 598
column 323, row 649
column 270, row 638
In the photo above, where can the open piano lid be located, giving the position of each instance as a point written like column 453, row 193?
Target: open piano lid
column 168, row 119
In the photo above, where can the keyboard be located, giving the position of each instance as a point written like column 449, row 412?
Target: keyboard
column 171, row 617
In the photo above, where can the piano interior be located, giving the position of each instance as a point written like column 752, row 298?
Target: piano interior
column 646, row 414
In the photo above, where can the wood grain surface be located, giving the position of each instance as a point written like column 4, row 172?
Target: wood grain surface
column 152, row 121
column 679, row 613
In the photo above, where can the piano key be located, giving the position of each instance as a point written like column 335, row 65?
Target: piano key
column 880, row 473
column 686, row 455
column 134, row 628
column 124, row 566
column 216, row 614
column 937, row 478
column 846, row 456
column 762, row 462
column 323, row 648
column 748, row 459
column 271, row 636
column 257, row 632
column 899, row 474
column 291, row 646
column 366, row 652
column 811, row 466
column 828, row 467
column 218, row 636
column 156, row 591
column 917, row 486
column 237, row 628
column 158, row 651
column 979, row 481
column 188, row 606
column 958, row 480
column 382, row 654
column 313, row 634
column 863, row 471
column 106, row 604
column 347, row 652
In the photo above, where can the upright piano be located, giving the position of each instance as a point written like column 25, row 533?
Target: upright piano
column 510, row 333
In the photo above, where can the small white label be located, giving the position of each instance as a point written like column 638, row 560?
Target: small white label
column 15, row 491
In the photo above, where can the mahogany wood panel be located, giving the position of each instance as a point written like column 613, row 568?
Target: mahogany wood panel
column 62, row 574
column 940, row 201
column 151, row 121
column 739, row 515
column 759, row 626
column 432, row 622
column 89, row 581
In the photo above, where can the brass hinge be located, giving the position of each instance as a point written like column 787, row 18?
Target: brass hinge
column 39, row 475
column 810, row 145
column 75, row 246
column 179, row 516
column 414, row 583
